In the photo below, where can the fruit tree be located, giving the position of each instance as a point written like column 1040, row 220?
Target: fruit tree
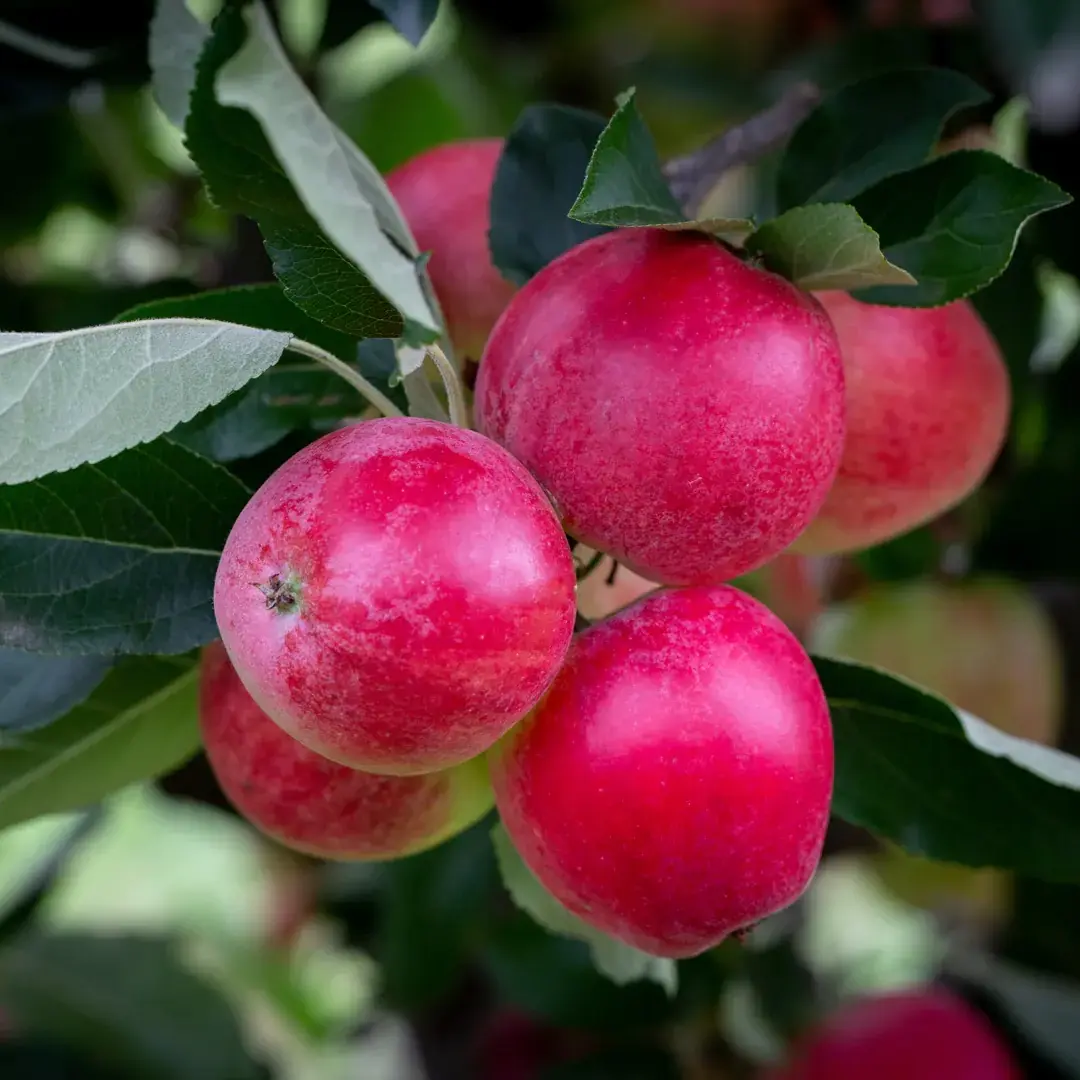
column 538, row 542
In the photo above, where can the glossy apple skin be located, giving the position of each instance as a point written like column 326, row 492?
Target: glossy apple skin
column 928, row 401
column 433, row 595
column 927, row 1033
column 445, row 194
column 985, row 645
column 314, row 805
column 673, row 785
column 684, row 410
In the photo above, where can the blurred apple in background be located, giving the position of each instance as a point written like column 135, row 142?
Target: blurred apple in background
column 986, row 646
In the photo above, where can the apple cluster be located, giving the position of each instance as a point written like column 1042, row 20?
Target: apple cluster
column 397, row 603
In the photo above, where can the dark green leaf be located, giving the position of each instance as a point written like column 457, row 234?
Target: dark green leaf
column 434, row 906
column 127, row 1003
column 953, row 223
column 35, row 690
column 824, row 246
column 140, row 722
column 411, row 18
column 625, row 184
column 537, row 181
column 118, row 556
column 244, row 177
column 844, row 147
column 377, row 360
column 946, row 785
column 624, row 1062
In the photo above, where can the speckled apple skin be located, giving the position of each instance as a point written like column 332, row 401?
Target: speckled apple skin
column 434, row 589
column 314, row 805
column 445, row 194
column 684, row 410
column 922, row 1034
column 928, row 402
column 673, row 785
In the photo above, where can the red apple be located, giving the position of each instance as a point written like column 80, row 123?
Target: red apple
column 314, row 805
column 985, row 645
column 673, row 785
column 397, row 595
column 444, row 194
column 923, row 1034
column 927, row 412
column 684, row 409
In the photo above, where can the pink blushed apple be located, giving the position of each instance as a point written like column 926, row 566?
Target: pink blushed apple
column 444, row 194
column 397, row 595
column 684, row 409
column 927, row 412
column 673, row 785
column 314, row 805
column 926, row 1033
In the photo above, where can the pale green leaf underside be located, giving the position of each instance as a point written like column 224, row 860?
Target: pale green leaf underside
column 340, row 188
column 620, row 963
column 84, row 395
column 176, row 39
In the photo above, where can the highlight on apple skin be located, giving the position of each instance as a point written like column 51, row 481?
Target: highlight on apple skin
column 445, row 195
column 927, row 1033
column 928, row 401
column 684, row 410
column 397, row 595
column 985, row 645
column 314, row 805
column 673, row 785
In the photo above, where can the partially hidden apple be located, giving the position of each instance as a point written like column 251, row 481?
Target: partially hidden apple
column 927, row 1033
column 397, row 595
column 684, row 409
column 673, row 785
column 445, row 194
column 928, row 403
column 314, row 805
column 985, row 645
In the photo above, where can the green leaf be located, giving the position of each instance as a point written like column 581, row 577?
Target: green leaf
column 291, row 396
column 620, row 963
column 176, row 39
column 625, row 184
column 84, row 395
column 825, row 246
column 537, row 180
column 946, row 785
column 339, row 187
column 116, row 557
column 125, row 1002
column 243, row 176
column 953, row 223
column 410, row 18
column 35, row 690
column 843, row 147
column 140, row 722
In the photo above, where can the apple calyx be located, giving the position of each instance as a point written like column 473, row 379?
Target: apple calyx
column 281, row 594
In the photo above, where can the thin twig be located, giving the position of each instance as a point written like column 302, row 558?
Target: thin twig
column 370, row 393
column 694, row 175
column 455, row 392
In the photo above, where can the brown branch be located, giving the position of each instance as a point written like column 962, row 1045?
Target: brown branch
column 694, row 175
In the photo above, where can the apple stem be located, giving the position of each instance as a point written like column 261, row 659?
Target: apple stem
column 372, row 394
column 455, row 392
